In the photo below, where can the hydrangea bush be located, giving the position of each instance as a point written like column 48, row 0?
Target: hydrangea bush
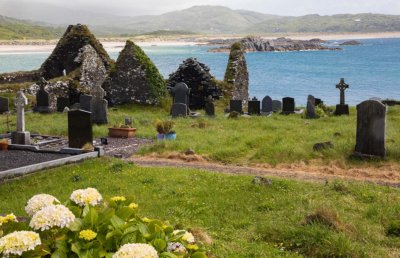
column 88, row 226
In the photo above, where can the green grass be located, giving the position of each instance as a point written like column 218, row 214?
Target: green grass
column 244, row 220
column 256, row 140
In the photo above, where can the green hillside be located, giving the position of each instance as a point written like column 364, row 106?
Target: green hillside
column 17, row 29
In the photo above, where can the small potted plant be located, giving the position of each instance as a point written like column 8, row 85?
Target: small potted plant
column 121, row 131
column 4, row 144
column 164, row 129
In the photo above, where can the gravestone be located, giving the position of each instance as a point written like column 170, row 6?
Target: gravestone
column 128, row 121
column 42, row 98
column 62, row 103
column 79, row 128
column 180, row 94
column 371, row 129
column 4, row 107
column 342, row 108
column 288, row 105
column 179, row 110
column 99, row 106
column 253, row 107
column 276, row 105
column 210, row 107
column 85, row 102
column 20, row 136
column 311, row 107
column 266, row 104
column 318, row 101
column 236, row 105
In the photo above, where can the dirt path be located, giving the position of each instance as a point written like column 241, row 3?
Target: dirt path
column 388, row 176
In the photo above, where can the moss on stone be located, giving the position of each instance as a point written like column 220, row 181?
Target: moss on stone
column 154, row 78
column 230, row 72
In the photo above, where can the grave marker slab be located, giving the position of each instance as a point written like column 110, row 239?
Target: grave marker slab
column 62, row 103
column 85, row 102
column 311, row 107
column 20, row 136
column 288, row 105
column 236, row 105
column 79, row 128
column 4, row 107
column 266, row 105
column 253, row 107
column 179, row 110
column 99, row 106
column 342, row 108
column 276, row 105
column 42, row 98
column 210, row 107
column 371, row 129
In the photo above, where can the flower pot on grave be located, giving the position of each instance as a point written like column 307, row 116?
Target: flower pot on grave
column 160, row 136
column 3, row 146
column 170, row 136
column 121, row 132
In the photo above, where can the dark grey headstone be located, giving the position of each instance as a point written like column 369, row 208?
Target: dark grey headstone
column 276, row 105
column 236, row 105
column 253, row 107
column 181, row 93
column 42, row 98
column 371, row 128
column 311, row 107
column 210, row 107
column 288, row 105
column 178, row 109
column 79, row 128
column 4, row 107
column 85, row 102
column 266, row 104
column 62, row 103
column 99, row 106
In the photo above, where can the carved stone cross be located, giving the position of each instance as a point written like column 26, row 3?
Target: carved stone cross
column 20, row 101
column 342, row 86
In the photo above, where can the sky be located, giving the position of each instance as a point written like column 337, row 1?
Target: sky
column 280, row 7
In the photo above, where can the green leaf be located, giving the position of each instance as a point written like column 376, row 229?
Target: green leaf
column 143, row 229
column 198, row 255
column 168, row 255
column 125, row 213
column 159, row 244
column 117, row 222
column 91, row 217
column 76, row 225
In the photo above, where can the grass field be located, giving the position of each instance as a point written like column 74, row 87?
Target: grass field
column 285, row 219
column 256, row 140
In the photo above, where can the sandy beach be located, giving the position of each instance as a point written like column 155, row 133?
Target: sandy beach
column 42, row 46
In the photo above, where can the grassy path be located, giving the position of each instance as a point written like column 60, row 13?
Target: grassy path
column 382, row 177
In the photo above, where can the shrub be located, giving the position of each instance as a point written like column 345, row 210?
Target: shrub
column 88, row 226
column 164, row 126
column 393, row 229
column 324, row 216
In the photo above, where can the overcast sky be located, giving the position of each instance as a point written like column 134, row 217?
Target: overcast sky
column 282, row 7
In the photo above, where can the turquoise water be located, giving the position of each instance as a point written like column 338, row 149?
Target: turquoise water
column 372, row 70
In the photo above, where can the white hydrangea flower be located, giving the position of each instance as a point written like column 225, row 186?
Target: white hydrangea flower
column 88, row 196
column 39, row 201
column 174, row 247
column 136, row 251
column 19, row 242
column 52, row 216
column 187, row 236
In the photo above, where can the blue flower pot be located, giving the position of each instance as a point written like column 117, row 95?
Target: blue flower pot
column 160, row 136
column 170, row 136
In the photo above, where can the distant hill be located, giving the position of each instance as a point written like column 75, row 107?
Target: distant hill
column 200, row 19
column 17, row 29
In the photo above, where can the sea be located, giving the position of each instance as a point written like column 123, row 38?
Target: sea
column 371, row 69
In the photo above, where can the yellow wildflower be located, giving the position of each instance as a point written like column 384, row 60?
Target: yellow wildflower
column 87, row 234
column 118, row 199
column 7, row 218
column 192, row 247
column 133, row 205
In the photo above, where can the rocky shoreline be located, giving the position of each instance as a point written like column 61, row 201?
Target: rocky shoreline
column 257, row 44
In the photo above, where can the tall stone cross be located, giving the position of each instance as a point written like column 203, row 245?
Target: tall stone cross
column 20, row 101
column 342, row 86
